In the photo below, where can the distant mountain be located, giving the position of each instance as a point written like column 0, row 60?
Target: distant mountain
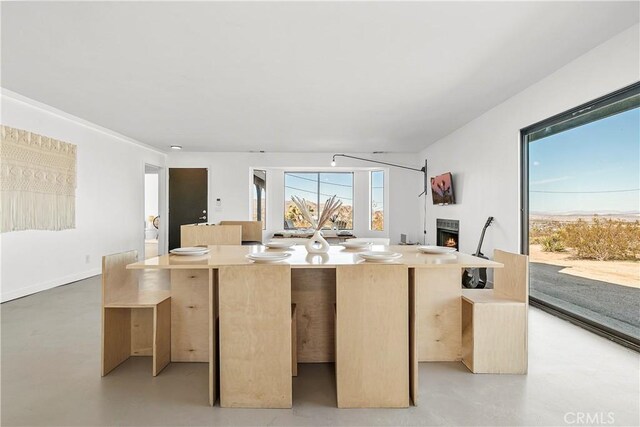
column 586, row 213
column 575, row 215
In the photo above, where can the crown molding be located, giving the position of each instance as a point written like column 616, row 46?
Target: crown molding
column 5, row 93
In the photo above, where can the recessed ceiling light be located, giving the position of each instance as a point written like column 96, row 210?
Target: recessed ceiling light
column 176, row 147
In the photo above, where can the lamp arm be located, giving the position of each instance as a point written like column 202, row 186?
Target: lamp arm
column 423, row 170
column 379, row 162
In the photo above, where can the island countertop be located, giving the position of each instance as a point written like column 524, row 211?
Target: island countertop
column 224, row 255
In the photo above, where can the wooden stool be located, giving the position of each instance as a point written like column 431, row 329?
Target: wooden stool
column 134, row 323
column 494, row 321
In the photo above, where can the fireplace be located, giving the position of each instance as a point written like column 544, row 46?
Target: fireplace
column 447, row 231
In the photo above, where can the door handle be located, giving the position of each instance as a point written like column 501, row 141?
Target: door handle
column 202, row 217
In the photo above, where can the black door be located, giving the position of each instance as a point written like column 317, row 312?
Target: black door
column 187, row 200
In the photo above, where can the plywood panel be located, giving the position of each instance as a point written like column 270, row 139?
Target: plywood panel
column 438, row 296
column 213, row 339
column 118, row 283
column 512, row 280
column 142, row 331
column 499, row 340
column 255, row 336
column 414, row 383
column 205, row 235
column 147, row 298
column 190, row 315
column 467, row 334
column 314, row 293
column 116, row 337
column 372, row 336
column 294, row 355
column 251, row 230
column 161, row 336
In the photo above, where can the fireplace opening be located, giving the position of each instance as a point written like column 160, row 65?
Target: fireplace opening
column 447, row 232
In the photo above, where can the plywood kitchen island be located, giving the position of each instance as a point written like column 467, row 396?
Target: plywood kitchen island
column 375, row 320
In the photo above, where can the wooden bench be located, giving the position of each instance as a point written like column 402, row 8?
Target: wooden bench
column 134, row 322
column 494, row 321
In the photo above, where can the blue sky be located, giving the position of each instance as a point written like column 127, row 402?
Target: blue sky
column 304, row 184
column 377, row 190
column 601, row 156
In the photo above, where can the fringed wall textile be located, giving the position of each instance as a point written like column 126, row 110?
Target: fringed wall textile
column 37, row 182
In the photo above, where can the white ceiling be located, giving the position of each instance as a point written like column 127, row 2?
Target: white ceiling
column 292, row 76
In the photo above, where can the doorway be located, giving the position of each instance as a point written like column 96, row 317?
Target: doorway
column 188, row 200
column 151, row 210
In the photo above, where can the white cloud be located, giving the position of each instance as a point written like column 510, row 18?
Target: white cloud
column 550, row 180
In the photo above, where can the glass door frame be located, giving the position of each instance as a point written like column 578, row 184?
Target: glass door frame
column 626, row 92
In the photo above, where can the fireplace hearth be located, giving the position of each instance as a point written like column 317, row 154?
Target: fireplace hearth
column 447, row 233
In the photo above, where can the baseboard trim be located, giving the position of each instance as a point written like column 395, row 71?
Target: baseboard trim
column 39, row 287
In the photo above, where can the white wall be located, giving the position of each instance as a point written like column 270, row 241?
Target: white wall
column 484, row 155
column 109, row 203
column 230, row 179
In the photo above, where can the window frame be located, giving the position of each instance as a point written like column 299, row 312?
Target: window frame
column 254, row 191
column 318, row 200
column 556, row 120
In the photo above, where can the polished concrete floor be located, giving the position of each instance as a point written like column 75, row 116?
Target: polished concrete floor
column 51, row 376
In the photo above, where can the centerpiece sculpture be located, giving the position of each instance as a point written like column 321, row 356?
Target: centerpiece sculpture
column 317, row 244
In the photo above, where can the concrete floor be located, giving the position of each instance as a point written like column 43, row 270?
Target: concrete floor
column 51, row 376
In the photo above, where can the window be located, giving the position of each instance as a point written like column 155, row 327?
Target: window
column 580, row 209
column 259, row 205
column 316, row 188
column 377, row 200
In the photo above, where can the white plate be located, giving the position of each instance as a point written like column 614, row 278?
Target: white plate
column 279, row 245
column 436, row 249
column 380, row 256
column 192, row 250
column 355, row 245
column 268, row 256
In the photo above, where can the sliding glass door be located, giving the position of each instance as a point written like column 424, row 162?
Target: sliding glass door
column 581, row 201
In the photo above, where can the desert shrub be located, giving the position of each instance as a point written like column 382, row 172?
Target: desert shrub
column 541, row 230
column 603, row 240
column 552, row 243
column 536, row 233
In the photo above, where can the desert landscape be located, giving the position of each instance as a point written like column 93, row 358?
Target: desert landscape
column 603, row 247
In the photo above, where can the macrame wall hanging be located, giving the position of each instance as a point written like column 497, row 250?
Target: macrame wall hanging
column 37, row 182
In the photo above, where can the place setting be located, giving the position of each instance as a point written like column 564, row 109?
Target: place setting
column 355, row 246
column 274, row 244
column 380, row 256
column 436, row 250
column 268, row 257
column 190, row 251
